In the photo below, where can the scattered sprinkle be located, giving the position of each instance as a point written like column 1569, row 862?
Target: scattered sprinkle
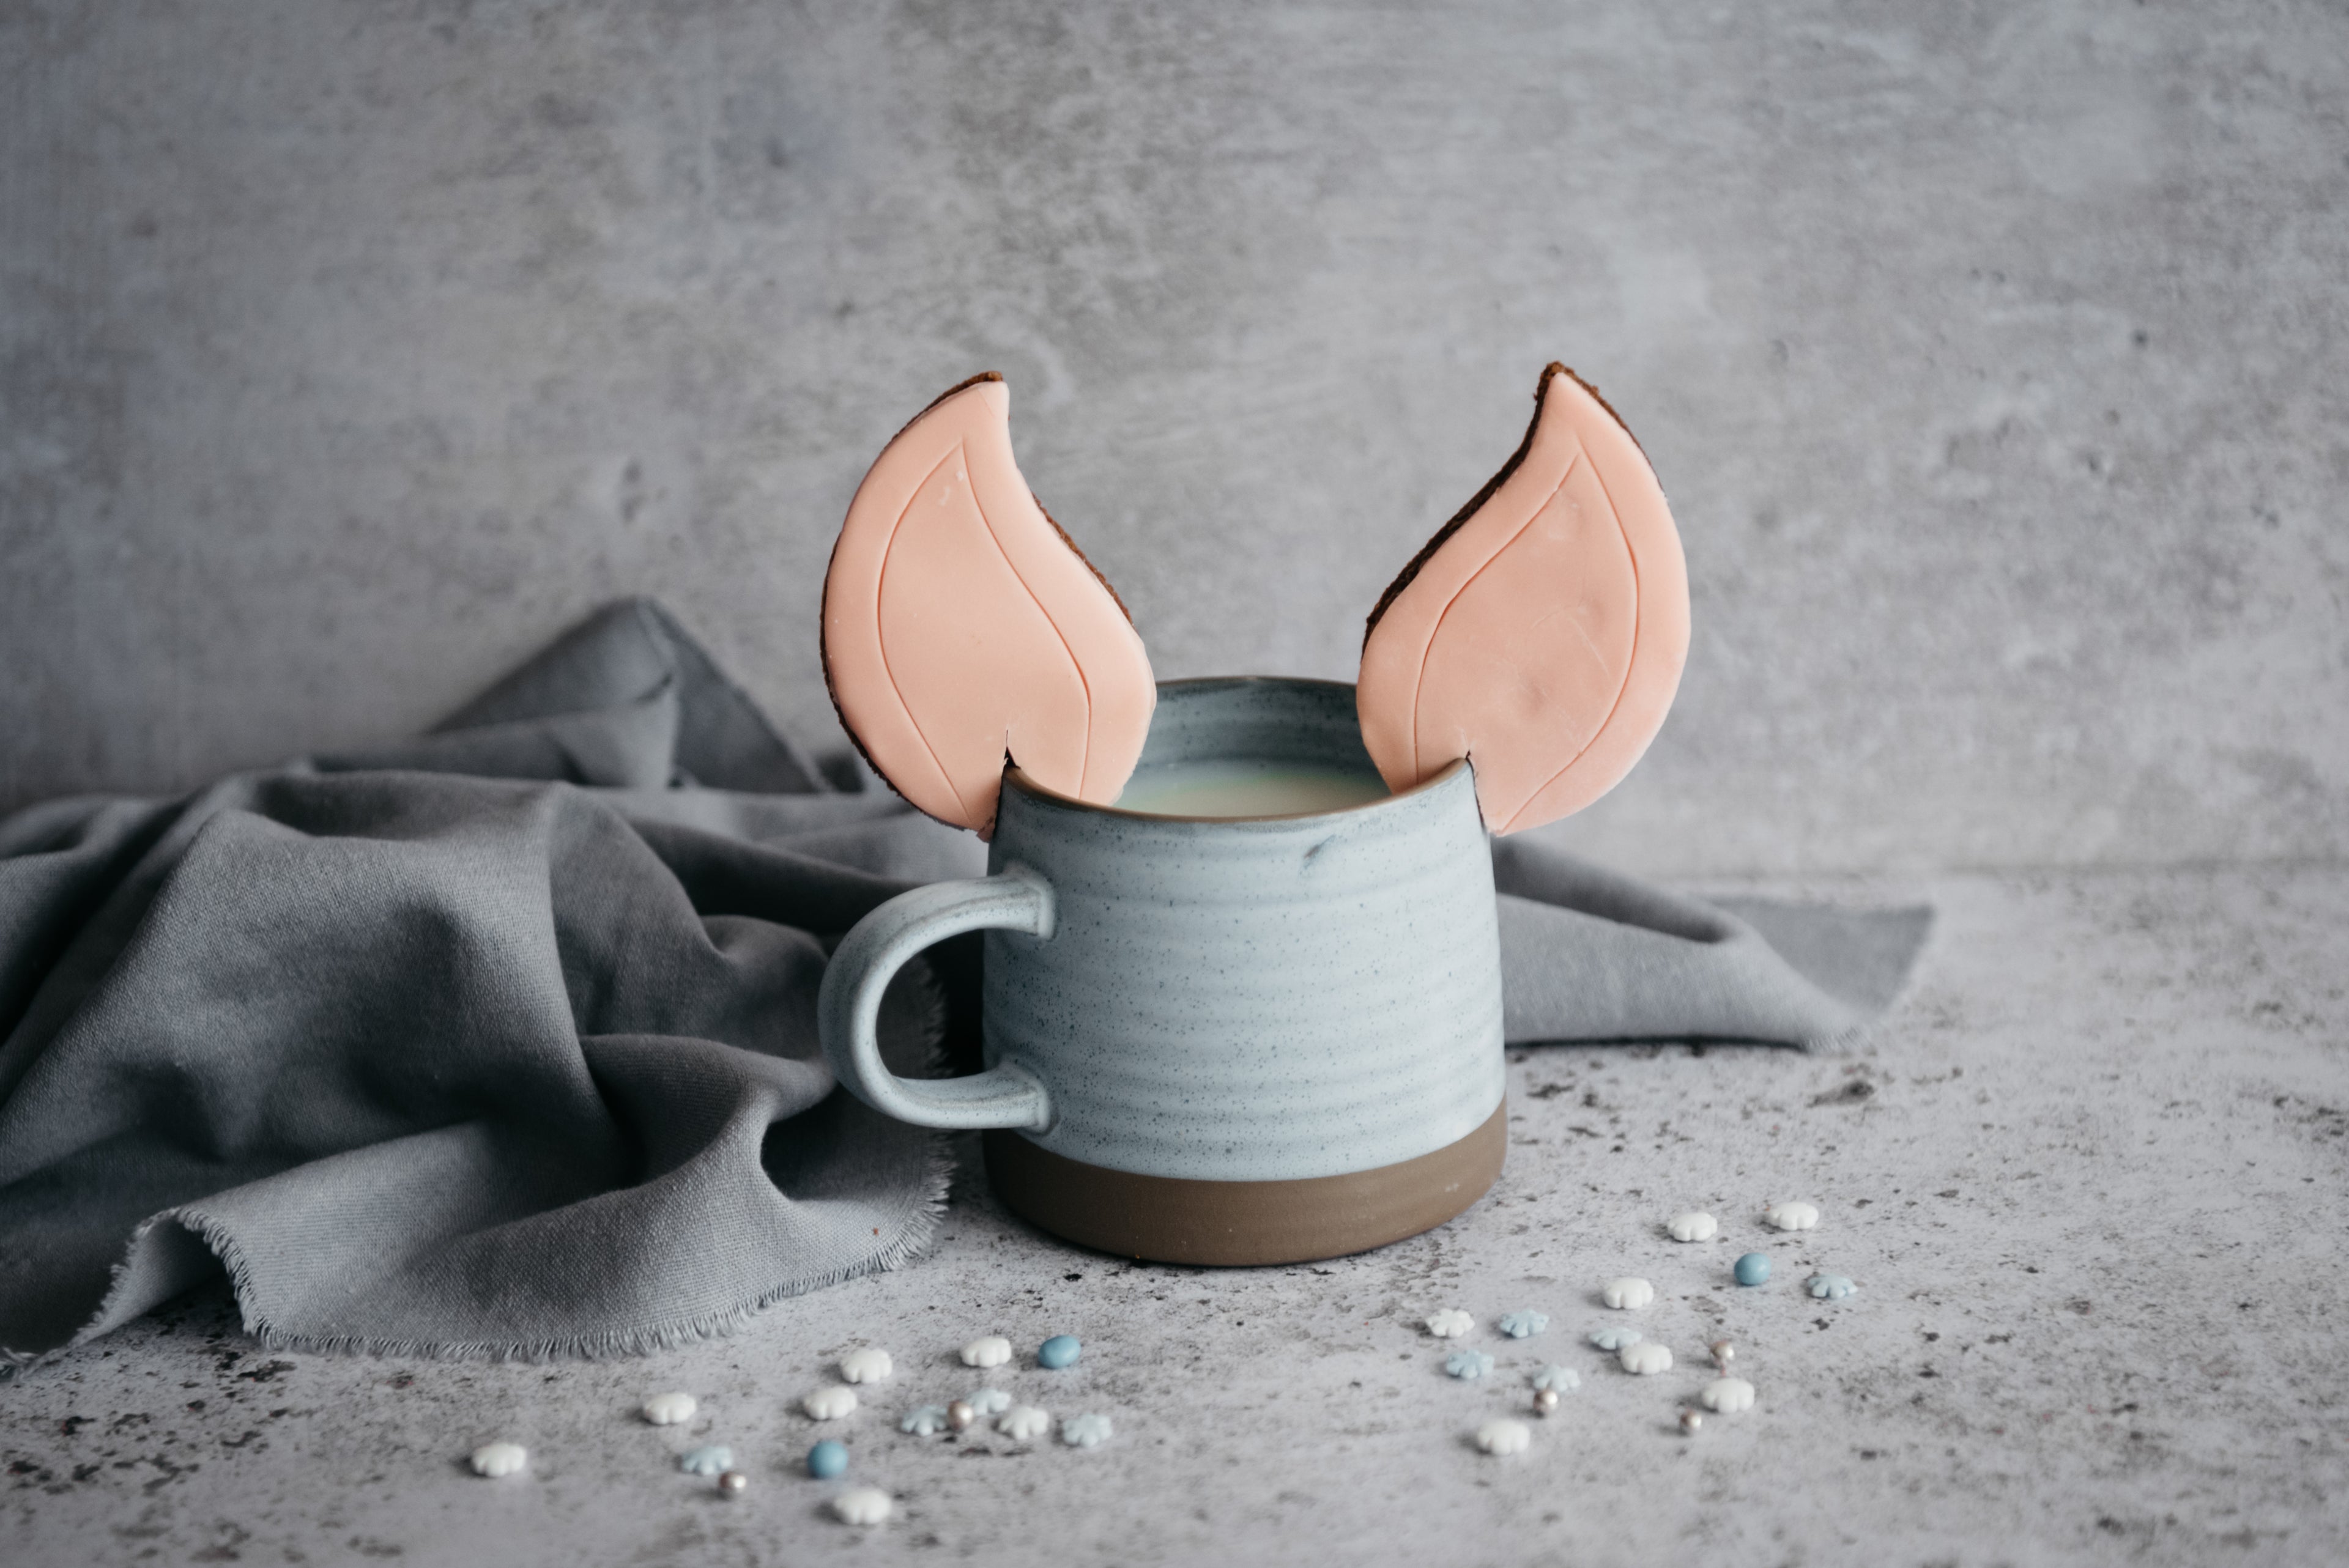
column 1061, row 1350
column 1753, row 1268
column 990, row 1401
column 1564, row 1379
column 830, row 1403
column 496, row 1459
column 669, row 1410
column 1504, row 1435
column 1546, row 1401
column 928, row 1421
column 1524, row 1324
column 959, row 1414
column 827, row 1460
column 1696, row 1225
column 1832, row 1288
column 1727, row 1395
column 992, row 1351
column 1691, row 1422
column 1615, row 1339
column 1628, row 1294
column 1468, row 1363
column 862, row 1505
column 866, row 1366
column 1451, row 1324
column 707, row 1460
column 1723, row 1352
column 1645, row 1359
column 1793, row 1216
column 1024, row 1421
column 1085, row 1431
column 732, row 1484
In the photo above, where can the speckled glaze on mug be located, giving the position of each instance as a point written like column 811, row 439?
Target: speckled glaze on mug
column 1217, row 1039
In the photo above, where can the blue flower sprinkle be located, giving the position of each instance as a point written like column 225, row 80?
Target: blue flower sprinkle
column 1057, row 1352
column 1565, row 1379
column 1468, row 1363
column 1085, row 1431
column 1615, row 1339
column 1524, row 1324
column 827, row 1460
column 708, row 1460
column 1832, row 1288
column 925, row 1422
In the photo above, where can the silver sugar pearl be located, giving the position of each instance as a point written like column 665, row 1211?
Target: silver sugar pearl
column 1723, row 1352
column 959, row 1414
column 732, row 1484
column 1546, row 1401
column 1690, row 1421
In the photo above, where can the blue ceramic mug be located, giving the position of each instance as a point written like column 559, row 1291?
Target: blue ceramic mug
column 1217, row 1039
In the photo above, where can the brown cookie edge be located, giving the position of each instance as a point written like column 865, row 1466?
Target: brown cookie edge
column 823, row 603
column 1516, row 459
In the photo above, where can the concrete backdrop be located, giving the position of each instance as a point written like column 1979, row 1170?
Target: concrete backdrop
column 1992, row 356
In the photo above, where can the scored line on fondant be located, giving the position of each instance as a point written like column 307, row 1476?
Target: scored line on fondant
column 1085, row 751
column 1428, row 644
column 881, row 592
column 959, row 455
column 1638, row 623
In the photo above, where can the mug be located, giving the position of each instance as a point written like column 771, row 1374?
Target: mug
column 1217, row 1039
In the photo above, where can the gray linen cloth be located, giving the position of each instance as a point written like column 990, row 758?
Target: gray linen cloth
column 502, row 1041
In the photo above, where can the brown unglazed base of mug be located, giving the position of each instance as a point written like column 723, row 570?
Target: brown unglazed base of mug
column 1175, row 1220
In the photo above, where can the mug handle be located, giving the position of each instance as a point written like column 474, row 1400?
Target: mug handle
column 849, row 1002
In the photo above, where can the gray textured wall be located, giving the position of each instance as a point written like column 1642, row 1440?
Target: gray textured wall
column 1994, row 357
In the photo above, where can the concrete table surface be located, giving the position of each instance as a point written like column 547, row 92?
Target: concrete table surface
column 2088, row 1177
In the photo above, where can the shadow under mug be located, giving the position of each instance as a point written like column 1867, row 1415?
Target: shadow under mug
column 1216, row 1040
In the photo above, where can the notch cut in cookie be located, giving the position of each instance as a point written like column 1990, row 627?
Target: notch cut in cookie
column 1541, row 632
column 963, row 629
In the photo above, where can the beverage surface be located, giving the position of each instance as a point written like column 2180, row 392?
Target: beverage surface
column 1241, row 788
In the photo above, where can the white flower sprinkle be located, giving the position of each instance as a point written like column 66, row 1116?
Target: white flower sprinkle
column 1505, row 1437
column 1024, row 1421
column 669, row 1410
column 830, row 1403
column 1451, row 1324
column 1628, row 1294
column 1727, row 1395
column 1645, row 1359
column 993, row 1350
column 496, row 1459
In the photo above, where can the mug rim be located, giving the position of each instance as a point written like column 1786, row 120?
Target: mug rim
column 1014, row 774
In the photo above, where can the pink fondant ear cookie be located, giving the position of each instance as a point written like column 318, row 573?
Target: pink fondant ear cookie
column 1541, row 632
column 962, row 627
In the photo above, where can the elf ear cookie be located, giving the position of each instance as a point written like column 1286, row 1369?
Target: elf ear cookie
column 963, row 629
column 1541, row 632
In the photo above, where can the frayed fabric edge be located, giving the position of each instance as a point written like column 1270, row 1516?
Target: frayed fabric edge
column 913, row 1241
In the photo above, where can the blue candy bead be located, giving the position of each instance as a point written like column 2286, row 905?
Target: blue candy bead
column 1753, row 1268
column 827, row 1460
column 1057, row 1352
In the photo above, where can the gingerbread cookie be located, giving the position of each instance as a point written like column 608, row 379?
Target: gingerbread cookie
column 1541, row 632
column 963, row 629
